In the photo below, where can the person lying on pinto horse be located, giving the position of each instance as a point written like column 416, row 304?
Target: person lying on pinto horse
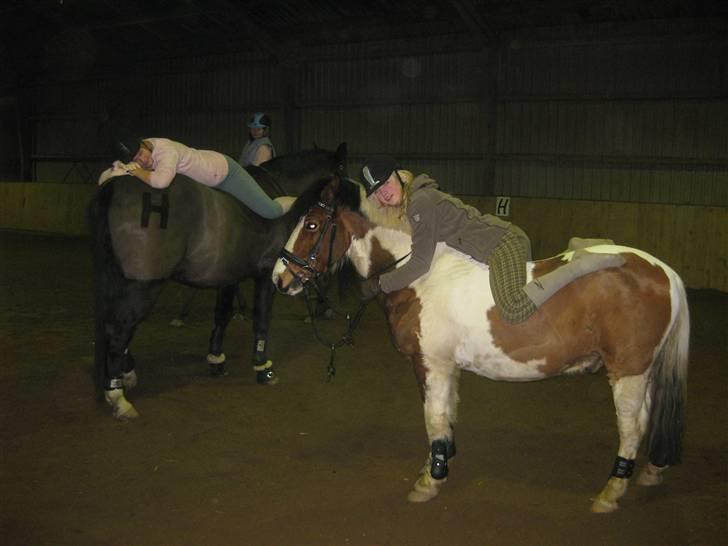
column 437, row 217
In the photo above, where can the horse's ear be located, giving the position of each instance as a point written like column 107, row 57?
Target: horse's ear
column 331, row 190
column 315, row 147
column 341, row 152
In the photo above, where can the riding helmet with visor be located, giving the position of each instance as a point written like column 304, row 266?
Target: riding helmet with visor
column 376, row 171
column 126, row 148
column 259, row 121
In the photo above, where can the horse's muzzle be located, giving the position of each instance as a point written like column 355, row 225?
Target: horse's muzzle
column 287, row 283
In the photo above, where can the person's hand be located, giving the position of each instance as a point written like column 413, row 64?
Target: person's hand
column 131, row 166
column 117, row 169
column 370, row 288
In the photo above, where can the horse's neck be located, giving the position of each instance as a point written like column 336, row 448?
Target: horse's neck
column 377, row 249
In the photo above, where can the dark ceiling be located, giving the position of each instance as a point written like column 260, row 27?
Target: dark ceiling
column 57, row 37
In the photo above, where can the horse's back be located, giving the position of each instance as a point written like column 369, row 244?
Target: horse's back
column 186, row 229
column 621, row 314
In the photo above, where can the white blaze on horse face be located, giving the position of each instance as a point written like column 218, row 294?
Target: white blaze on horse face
column 455, row 297
column 280, row 267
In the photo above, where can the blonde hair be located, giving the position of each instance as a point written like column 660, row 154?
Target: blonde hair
column 391, row 217
column 406, row 177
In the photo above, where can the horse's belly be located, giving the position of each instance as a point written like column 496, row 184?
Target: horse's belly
column 454, row 323
column 500, row 367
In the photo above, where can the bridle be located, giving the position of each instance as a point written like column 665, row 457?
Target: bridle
column 307, row 266
column 306, row 271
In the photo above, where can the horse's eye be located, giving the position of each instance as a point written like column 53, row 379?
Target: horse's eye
column 311, row 226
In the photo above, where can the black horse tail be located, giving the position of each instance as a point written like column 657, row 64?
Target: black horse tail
column 105, row 270
column 669, row 384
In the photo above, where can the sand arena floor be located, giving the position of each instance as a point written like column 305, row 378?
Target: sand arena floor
column 226, row 462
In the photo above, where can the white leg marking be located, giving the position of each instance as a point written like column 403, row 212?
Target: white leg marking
column 438, row 398
column 121, row 408
column 215, row 359
column 629, row 401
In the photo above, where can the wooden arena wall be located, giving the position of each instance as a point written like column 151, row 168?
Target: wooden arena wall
column 600, row 130
column 691, row 239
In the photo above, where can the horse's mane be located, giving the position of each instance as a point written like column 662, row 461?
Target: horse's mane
column 351, row 195
column 297, row 163
column 308, row 198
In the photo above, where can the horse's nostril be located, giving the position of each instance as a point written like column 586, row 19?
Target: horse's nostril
column 282, row 283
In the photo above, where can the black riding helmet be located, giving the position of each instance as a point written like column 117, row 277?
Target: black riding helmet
column 376, row 171
column 125, row 148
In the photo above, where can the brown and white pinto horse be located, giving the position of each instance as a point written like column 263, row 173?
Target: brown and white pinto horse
column 632, row 320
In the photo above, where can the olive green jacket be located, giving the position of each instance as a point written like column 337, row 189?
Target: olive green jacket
column 437, row 217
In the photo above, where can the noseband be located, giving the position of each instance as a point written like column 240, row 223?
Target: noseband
column 307, row 266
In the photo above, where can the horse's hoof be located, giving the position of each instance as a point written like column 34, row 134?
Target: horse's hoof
column 127, row 414
column 423, row 492
column 218, row 370
column 121, row 408
column 177, row 323
column 266, row 377
column 421, row 496
column 600, row 506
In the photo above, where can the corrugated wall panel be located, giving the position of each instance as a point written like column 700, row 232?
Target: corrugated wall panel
column 418, row 108
column 639, row 120
column 654, row 67
column 207, row 109
column 538, row 179
column 630, row 120
column 692, row 130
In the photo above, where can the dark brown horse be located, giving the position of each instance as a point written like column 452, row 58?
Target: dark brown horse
column 195, row 235
column 632, row 320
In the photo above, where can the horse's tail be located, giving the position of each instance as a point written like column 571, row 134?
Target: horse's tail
column 97, row 216
column 669, row 383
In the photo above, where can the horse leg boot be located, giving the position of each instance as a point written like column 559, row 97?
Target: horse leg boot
column 434, row 473
column 223, row 315
column 582, row 263
column 263, row 293
column 128, row 374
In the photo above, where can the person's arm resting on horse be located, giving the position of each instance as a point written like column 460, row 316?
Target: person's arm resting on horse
column 164, row 171
column 422, row 218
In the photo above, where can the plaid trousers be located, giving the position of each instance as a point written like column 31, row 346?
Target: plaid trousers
column 507, row 264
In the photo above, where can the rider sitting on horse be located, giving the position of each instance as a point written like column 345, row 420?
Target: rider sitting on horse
column 259, row 147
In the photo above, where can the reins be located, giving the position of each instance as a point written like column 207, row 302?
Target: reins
column 347, row 337
column 307, row 265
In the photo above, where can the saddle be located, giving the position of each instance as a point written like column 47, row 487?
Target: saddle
column 575, row 243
